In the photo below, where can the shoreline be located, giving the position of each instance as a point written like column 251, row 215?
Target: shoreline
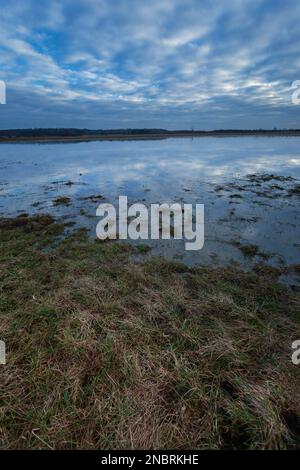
column 145, row 136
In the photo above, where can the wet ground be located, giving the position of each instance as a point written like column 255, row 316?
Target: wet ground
column 249, row 186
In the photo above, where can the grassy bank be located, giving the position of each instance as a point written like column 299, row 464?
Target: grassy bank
column 107, row 352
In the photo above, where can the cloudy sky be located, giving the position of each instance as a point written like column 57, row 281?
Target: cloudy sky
column 202, row 64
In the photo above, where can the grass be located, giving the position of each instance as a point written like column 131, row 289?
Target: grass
column 93, row 197
column 106, row 352
column 249, row 250
column 295, row 190
column 297, row 268
column 61, row 201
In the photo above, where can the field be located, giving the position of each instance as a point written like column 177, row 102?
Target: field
column 107, row 351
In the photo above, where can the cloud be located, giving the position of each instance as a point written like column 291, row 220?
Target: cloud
column 134, row 63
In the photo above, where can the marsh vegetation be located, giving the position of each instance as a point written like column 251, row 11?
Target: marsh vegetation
column 107, row 352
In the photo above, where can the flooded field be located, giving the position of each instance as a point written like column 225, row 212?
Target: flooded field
column 249, row 186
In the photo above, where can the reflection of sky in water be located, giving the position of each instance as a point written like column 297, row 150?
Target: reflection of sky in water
column 163, row 171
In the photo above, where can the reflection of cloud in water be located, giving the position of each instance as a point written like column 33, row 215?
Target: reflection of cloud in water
column 158, row 171
column 118, row 162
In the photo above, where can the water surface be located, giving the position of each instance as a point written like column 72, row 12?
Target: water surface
column 239, row 209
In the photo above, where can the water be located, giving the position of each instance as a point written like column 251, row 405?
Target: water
column 210, row 170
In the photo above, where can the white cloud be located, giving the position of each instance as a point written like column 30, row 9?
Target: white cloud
column 163, row 53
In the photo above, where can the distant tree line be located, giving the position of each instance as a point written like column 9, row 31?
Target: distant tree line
column 73, row 132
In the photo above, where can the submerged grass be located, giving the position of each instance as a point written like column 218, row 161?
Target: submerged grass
column 61, row 201
column 105, row 352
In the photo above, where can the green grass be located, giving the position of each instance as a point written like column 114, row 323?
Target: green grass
column 107, row 352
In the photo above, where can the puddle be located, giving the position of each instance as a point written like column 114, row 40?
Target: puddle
column 249, row 186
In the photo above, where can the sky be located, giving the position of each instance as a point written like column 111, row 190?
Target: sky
column 173, row 64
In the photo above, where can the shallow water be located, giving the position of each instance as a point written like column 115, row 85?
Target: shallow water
column 206, row 170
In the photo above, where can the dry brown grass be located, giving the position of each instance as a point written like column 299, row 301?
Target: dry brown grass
column 104, row 352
